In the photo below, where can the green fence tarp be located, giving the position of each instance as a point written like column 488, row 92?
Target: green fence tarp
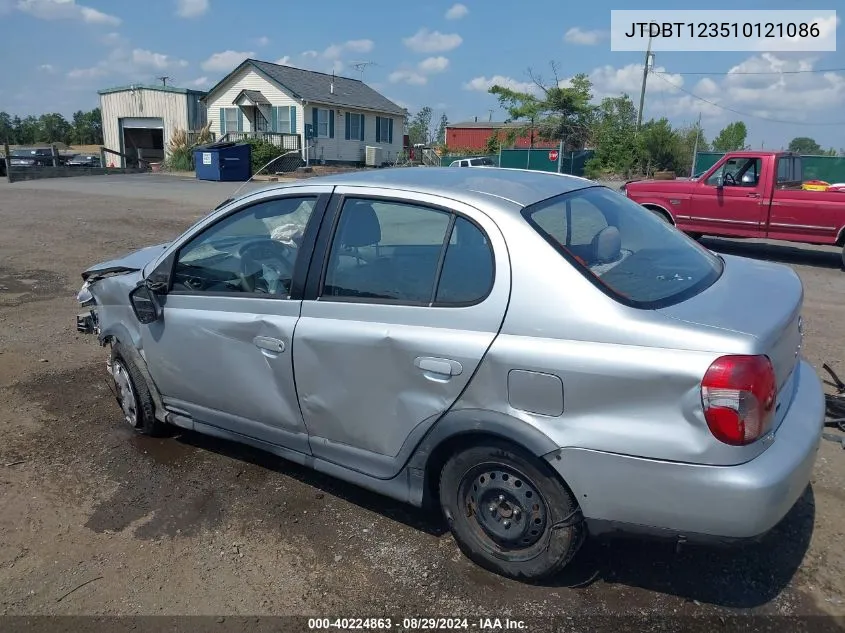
column 828, row 168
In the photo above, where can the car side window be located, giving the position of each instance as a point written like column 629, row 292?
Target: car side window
column 738, row 172
column 468, row 267
column 578, row 228
column 386, row 250
column 252, row 251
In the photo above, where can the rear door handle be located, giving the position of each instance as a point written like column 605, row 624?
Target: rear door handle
column 270, row 344
column 442, row 366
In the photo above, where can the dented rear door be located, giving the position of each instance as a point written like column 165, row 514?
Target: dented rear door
column 376, row 364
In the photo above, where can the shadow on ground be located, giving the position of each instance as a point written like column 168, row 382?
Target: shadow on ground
column 781, row 253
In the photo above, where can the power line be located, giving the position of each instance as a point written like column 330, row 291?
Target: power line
column 746, row 114
column 762, row 72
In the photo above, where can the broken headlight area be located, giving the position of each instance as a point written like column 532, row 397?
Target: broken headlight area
column 86, row 322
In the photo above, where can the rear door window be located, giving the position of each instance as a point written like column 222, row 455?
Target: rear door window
column 623, row 248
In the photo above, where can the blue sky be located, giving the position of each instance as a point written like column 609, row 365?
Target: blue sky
column 430, row 52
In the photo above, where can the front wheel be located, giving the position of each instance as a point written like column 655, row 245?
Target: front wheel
column 509, row 513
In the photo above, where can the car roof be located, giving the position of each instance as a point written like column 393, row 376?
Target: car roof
column 518, row 186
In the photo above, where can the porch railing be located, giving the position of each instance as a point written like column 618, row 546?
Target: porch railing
column 279, row 139
column 194, row 137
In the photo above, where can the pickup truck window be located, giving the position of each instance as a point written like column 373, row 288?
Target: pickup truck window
column 623, row 248
column 789, row 169
column 738, row 172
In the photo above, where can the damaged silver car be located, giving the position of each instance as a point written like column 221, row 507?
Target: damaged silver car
column 534, row 354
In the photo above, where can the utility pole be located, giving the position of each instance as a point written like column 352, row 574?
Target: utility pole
column 163, row 80
column 695, row 146
column 648, row 58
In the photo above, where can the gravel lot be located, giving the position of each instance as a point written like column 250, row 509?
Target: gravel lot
column 191, row 525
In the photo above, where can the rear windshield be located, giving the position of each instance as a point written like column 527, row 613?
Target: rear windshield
column 626, row 250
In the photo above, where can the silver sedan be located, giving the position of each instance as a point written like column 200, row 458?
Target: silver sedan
column 533, row 355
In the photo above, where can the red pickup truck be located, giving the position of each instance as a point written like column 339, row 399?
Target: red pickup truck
column 748, row 194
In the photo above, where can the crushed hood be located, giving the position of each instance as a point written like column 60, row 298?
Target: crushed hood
column 131, row 262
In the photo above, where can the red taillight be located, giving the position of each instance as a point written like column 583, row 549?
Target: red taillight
column 738, row 394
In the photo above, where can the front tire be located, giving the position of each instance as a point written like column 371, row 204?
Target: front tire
column 509, row 513
column 133, row 395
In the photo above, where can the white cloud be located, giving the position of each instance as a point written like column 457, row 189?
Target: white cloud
column 200, row 82
column 310, row 54
column 283, row 61
column 263, row 40
column 456, row 11
column 159, row 61
column 191, row 8
column 577, row 35
column 359, row 46
column 483, row 84
column 408, row 76
column 425, row 41
column 610, row 81
column 47, row 68
column 433, row 64
column 65, row 10
column 225, row 61
column 87, row 73
column 110, row 39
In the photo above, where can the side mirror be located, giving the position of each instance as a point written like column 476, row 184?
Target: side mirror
column 720, row 182
column 145, row 304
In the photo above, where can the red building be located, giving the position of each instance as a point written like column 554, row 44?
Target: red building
column 474, row 135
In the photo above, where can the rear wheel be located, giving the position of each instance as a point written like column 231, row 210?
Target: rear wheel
column 509, row 513
column 843, row 257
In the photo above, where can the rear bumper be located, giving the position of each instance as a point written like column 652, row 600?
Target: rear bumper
column 722, row 502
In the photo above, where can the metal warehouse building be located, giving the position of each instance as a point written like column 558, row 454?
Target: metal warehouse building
column 139, row 121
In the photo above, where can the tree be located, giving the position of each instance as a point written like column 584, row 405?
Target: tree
column 27, row 130
column 805, row 145
column 53, row 128
column 732, row 138
column 614, row 136
column 419, row 130
column 87, row 128
column 559, row 111
column 440, row 135
column 7, row 130
column 687, row 138
column 659, row 146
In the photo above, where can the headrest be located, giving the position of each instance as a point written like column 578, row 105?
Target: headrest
column 360, row 224
column 607, row 245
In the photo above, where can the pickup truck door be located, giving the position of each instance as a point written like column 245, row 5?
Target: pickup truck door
column 737, row 207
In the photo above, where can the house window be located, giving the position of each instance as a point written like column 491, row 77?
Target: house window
column 384, row 130
column 354, row 126
column 282, row 119
column 323, row 123
column 232, row 120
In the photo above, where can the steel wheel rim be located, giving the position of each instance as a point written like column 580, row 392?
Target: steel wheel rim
column 125, row 394
column 503, row 506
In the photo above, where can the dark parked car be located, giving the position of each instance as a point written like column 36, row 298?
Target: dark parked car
column 34, row 157
column 84, row 160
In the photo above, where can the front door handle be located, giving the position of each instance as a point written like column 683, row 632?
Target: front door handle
column 442, row 366
column 270, row 344
column 752, row 195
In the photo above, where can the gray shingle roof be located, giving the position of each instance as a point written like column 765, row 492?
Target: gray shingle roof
column 316, row 87
column 253, row 95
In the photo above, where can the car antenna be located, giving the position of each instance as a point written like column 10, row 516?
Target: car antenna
column 273, row 160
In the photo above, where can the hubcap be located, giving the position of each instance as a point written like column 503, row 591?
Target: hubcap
column 125, row 393
column 505, row 504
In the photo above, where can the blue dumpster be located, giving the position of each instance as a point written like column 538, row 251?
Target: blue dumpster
column 224, row 161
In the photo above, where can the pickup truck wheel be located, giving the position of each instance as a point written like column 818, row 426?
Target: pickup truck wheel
column 661, row 214
column 133, row 395
column 843, row 257
column 509, row 513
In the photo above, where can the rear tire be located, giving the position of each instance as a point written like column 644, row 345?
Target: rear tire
column 509, row 513
column 843, row 257
column 133, row 395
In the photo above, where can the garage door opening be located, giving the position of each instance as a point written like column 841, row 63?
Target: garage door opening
column 142, row 139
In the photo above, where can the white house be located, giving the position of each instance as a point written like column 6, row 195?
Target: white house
column 346, row 114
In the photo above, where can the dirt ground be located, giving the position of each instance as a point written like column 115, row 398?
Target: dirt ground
column 191, row 525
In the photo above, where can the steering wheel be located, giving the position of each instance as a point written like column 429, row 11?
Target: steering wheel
column 254, row 256
column 728, row 178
